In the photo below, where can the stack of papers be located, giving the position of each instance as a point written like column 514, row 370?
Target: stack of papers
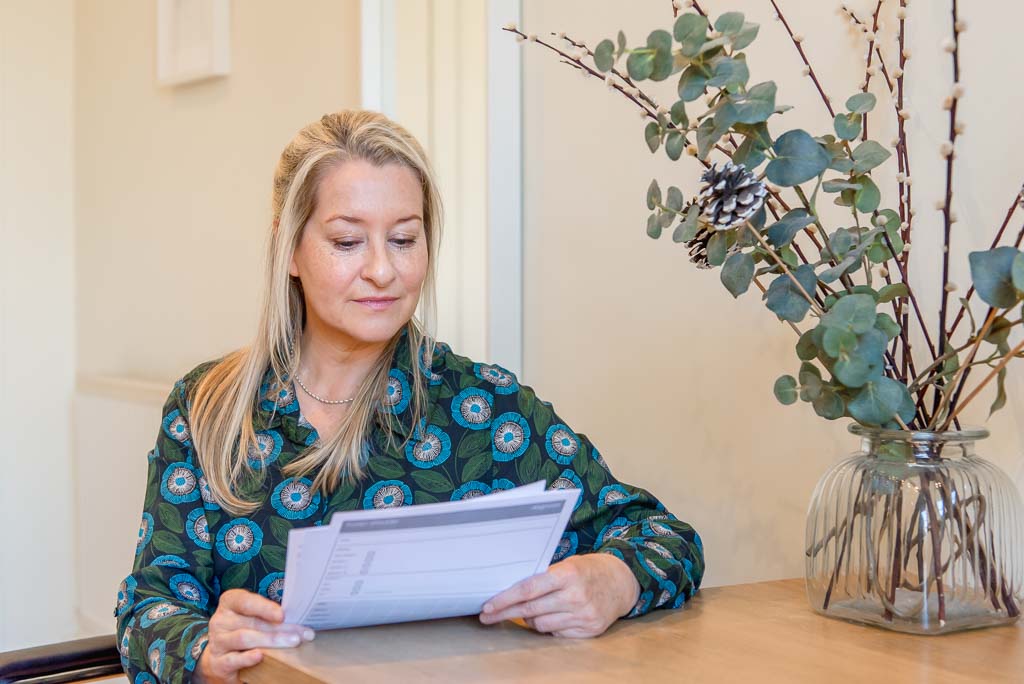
column 421, row 562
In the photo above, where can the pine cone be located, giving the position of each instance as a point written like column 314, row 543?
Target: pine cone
column 698, row 246
column 730, row 196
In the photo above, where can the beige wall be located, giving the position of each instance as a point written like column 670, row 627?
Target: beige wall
column 653, row 359
column 36, row 331
column 173, row 202
column 174, row 184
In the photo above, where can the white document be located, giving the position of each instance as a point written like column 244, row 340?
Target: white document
column 421, row 562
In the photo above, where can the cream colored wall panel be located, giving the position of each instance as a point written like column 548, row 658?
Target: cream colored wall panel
column 37, row 575
column 174, row 184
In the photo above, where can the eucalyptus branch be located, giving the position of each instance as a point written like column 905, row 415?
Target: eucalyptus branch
column 579, row 64
column 948, row 151
column 785, row 269
column 986, row 362
column 988, row 378
column 764, row 290
column 995, row 241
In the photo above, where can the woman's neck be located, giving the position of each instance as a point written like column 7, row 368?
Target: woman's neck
column 334, row 368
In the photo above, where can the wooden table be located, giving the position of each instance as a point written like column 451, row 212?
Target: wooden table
column 763, row 632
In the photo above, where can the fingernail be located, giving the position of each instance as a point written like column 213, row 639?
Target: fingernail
column 308, row 635
column 287, row 640
column 488, row 607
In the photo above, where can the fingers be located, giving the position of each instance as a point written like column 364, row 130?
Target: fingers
column 247, row 603
column 554, row 602
column 246, row 639
column 526, row 590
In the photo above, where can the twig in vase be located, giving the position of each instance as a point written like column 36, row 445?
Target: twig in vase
column 988, row 378
column 949, row 151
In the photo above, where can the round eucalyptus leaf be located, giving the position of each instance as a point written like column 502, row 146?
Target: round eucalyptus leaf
column 653, row 194
column 798, row 159
column 674, row 198
column 892, row 291
column 756, row 105
column 1017, row 272
column 718, row 246
column 604, row 56
column 838, row 341
column 661, row 67
column 640, row 63
column 868, row 155
column 828, row 404
column 730, row 23
column 652, row 134
column 847, row 126
column 678, row 114
column 806, row 350
column 745, row 36
column 878, row 401
column 653, row 226
column 785, row 389
column 738, row 272
column 785, row 299
column 810, row 381
column 868, row 197
column 692, row 83
column 690, row 31
column 863, row 363
column 890, row 328
column 854, row 312
column 675, row 143
column 993, row 274
column 783, row 232
column 861, row 103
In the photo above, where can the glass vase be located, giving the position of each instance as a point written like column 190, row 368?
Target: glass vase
column 916, row 533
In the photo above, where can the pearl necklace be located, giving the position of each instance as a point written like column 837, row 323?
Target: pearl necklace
column 321, row 399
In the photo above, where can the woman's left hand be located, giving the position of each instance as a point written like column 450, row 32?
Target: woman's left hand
column 580, row 596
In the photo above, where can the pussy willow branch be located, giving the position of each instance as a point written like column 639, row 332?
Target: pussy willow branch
column 803, row 56
column 867, row 74
column 947, row 203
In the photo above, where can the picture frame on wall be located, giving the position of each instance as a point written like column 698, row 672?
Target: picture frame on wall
column 193, row 40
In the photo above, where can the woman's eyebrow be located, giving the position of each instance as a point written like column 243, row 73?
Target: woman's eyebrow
column 357, row 220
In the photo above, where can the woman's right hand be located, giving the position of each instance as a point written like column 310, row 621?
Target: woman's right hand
column 244, row 623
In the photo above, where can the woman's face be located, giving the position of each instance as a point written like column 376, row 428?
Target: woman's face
column 362, row 256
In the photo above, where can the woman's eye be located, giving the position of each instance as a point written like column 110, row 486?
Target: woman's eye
column 404, row 243
column 345, row 244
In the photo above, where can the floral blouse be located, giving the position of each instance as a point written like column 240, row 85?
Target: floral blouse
column 483, row 432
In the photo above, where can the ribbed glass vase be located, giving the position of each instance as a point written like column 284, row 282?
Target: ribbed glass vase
column 916, row 533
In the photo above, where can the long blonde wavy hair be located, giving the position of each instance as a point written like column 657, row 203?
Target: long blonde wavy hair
column 225, row 400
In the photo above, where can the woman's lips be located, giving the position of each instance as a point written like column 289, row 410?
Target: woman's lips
column 377, row 304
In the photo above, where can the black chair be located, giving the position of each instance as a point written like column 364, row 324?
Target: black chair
column 70, row 661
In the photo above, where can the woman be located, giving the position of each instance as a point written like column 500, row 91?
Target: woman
column 342, row 402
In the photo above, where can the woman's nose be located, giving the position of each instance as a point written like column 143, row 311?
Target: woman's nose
column 378, row 267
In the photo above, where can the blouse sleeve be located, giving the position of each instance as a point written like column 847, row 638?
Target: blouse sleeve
column 164, row 605
column 530, row 442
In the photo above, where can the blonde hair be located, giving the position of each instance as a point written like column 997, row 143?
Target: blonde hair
column 225, row 401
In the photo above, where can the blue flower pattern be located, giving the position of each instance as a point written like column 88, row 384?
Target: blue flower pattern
column 481, row 432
